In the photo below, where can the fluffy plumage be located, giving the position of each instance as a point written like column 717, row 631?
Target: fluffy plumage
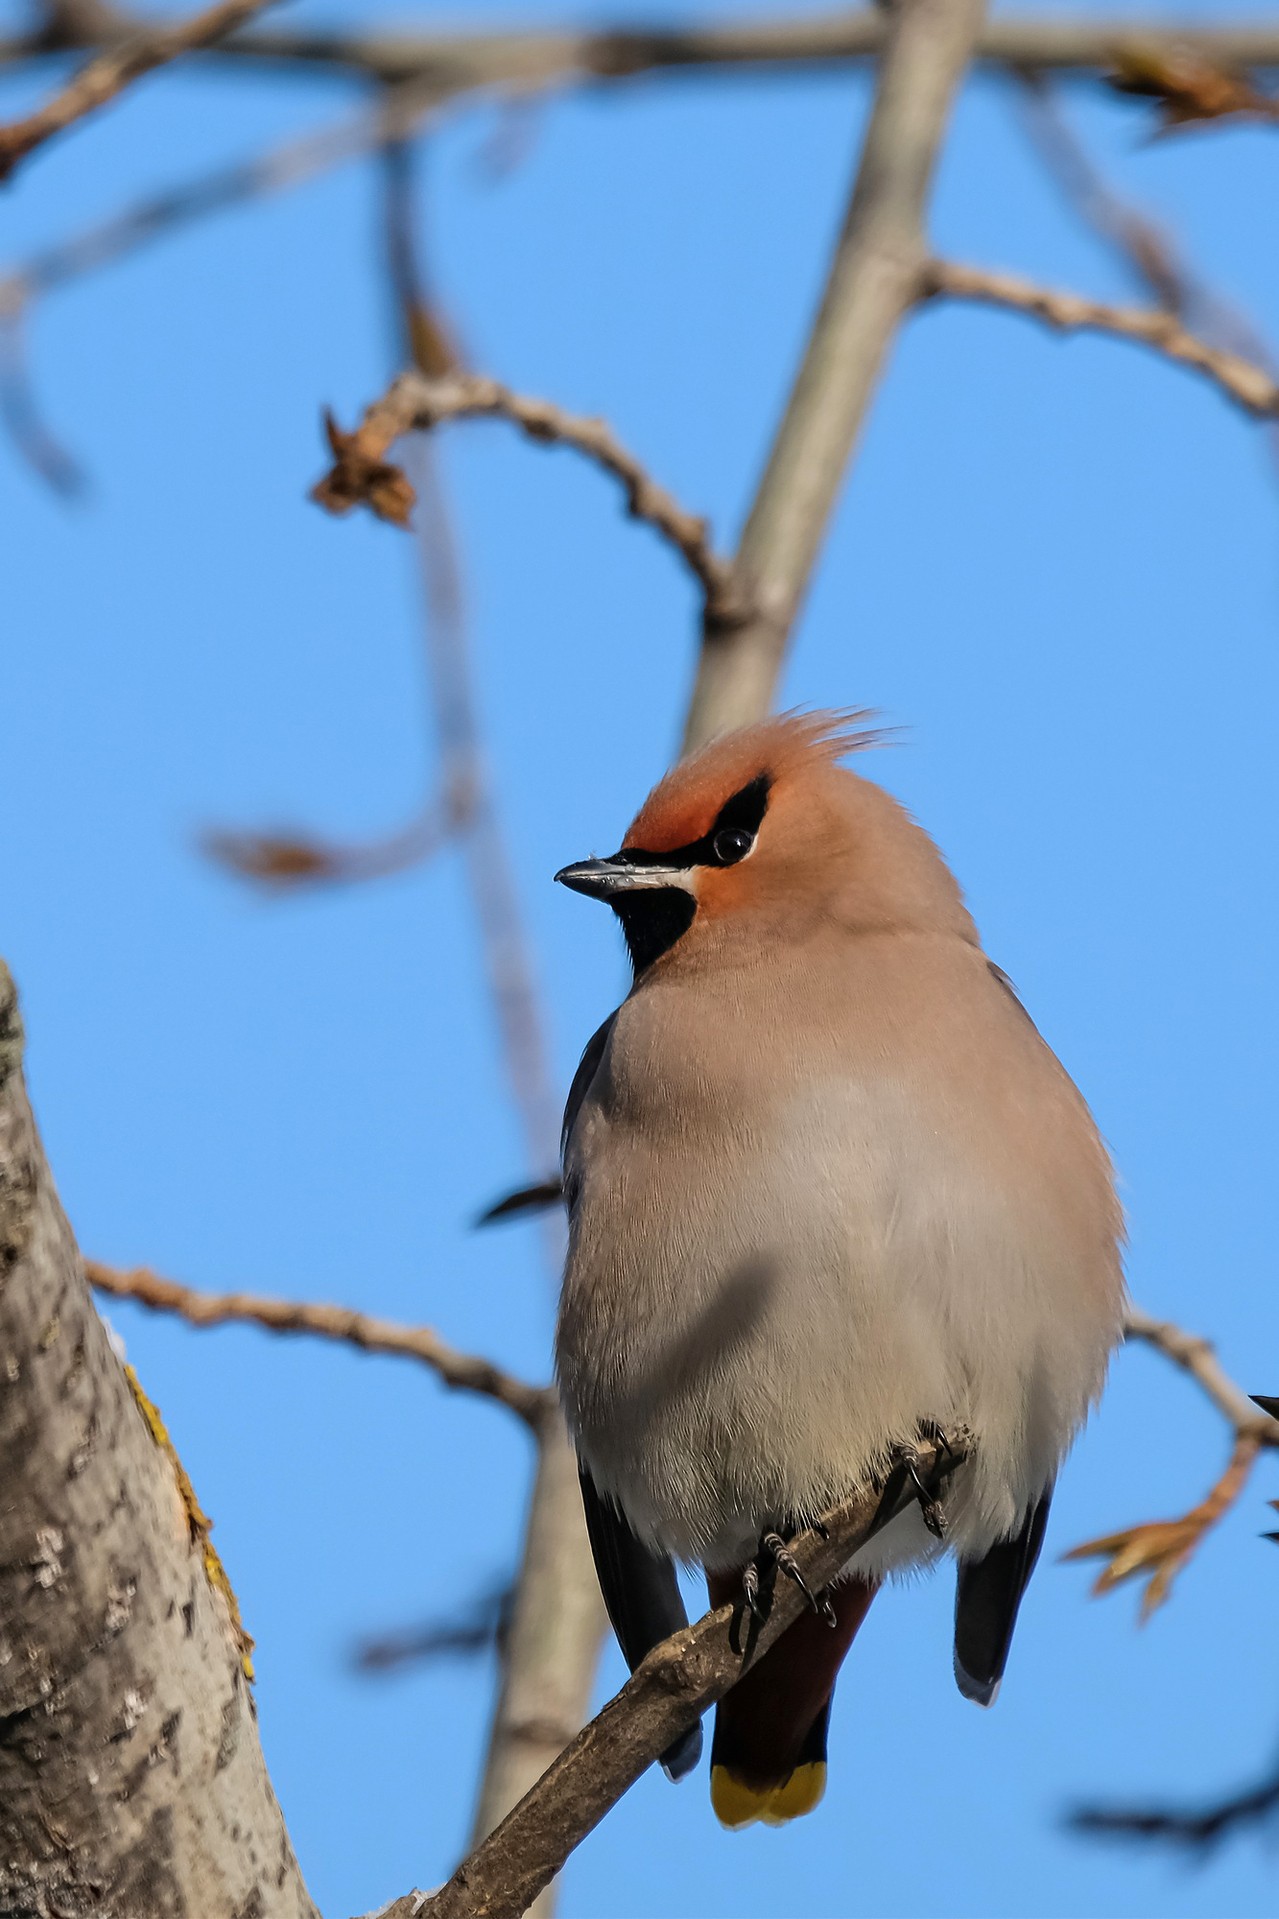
column 827, row 1183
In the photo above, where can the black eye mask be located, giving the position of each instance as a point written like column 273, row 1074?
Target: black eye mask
column 730, row 839
column 654, row 919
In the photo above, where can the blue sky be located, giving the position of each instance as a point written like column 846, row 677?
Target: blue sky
column 1054, row 566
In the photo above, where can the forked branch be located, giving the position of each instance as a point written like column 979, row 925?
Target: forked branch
column 110, row 72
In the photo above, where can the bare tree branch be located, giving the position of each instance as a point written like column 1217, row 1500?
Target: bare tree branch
column 873, row 279
column 466, row 1371
column 667, row 1694
column 465, row 62
column 131, row 1776
column 1249, row 386
column 361, row 474
column 117, row 68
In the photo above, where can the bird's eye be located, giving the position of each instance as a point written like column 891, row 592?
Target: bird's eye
column 731, row 844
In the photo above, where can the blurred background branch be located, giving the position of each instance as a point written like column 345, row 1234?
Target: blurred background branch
column 118, row 66
column 468, row 61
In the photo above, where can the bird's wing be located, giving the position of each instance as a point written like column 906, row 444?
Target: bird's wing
column 987, row 1597
column 642, row 1600
column 545, row 1193
column 1001, row 978
column 587, row 1067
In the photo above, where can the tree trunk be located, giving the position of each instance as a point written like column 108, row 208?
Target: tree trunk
column 132, row 1784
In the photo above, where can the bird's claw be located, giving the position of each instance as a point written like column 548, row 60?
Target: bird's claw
column 750, row 1590
column 930, row 1510
column 929, row 1429
column 785, row 1561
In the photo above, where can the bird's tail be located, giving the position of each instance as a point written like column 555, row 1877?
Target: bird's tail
column 768, row 1757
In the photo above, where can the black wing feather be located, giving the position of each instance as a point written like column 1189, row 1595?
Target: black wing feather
column 986, row 1602
column 642, row 1600
column 587, row 1067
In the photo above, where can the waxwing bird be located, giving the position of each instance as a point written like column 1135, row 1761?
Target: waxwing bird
column 828, row 1190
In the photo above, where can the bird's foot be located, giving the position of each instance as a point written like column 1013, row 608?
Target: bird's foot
column 930, row 1509
column 750, row 1590
column 785, row 1561
column 930, row 1430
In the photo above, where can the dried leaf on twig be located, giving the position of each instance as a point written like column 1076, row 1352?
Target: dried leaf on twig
column 1188, row 88
column 272, row 859
column 361, row 475
column 280, row 861
column 1158, row 1550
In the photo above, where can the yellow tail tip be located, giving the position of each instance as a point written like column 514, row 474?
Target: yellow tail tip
column 737, row 1804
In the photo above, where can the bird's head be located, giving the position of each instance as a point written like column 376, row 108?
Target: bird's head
column 764, row 833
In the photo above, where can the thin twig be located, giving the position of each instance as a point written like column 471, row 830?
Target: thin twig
column 479, row 1627
column 668, row 1693
column 1196, row 1829
column 1143, row 245
column 1146, row 248
column 872, row 281
column 1197, row 1357
column 1251, row 387
column 110, row 72
column 477, row 61
column 21, row 417
column 281, row 862
column 156, row 216
column 466, row 1371
column 417, row 402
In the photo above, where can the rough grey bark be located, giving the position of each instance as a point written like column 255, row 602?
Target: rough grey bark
column 132, row 1784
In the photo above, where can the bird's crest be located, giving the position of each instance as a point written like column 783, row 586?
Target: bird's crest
column 683, row 806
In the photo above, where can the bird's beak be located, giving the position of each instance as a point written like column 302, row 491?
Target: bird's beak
column 605, row 879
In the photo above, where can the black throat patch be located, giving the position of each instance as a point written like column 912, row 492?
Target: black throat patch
column 652, row 921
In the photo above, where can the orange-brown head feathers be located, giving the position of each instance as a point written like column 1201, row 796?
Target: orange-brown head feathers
column 765, row 834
